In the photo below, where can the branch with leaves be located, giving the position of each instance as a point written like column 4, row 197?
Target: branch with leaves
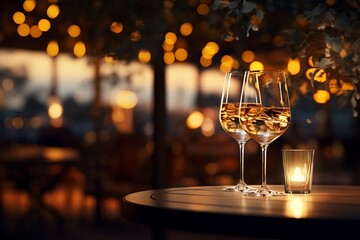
column 331, row 42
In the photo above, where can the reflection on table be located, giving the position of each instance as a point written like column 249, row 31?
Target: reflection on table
column 329, row 211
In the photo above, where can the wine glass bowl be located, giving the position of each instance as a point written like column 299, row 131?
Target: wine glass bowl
column 230, row 122
column 265, row 113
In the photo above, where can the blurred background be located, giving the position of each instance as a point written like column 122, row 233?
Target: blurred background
column 100, row 99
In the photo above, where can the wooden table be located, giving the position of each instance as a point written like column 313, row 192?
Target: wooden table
column 327, row 212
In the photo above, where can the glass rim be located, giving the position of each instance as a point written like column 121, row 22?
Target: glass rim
column 297, row 149
column 266, row 71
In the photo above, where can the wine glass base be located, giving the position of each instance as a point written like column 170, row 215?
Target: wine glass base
column 265, row 192
column 240, row 187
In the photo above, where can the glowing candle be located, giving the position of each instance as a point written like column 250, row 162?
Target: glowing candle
column 297, row 177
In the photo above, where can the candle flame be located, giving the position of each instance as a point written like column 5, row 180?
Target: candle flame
column 297, row 177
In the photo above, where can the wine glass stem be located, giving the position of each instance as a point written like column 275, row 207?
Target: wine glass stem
column 263, row 167
column 241, row 163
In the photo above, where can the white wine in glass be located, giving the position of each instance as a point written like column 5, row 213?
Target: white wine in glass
column 265, row 113
column 230, row 122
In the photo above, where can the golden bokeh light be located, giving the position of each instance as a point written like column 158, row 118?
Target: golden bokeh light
column 44, row 25
column 29, row 5
column 339, row 87
column 310, row 61
column 18, row 123
column 202, row 9
column 225, row 68
column 227, row 61
column 293, row 66
column 181, row 54
column 53, row 11
column 320, row 74
column 205, row 62
column 144, row 56
column 52, row 48
column 207, row 128
column 321, row 96
column 169, row 57
column 167, row 47
column 55, row 110
column 126, row 99
column 170, row 38
column 23, row 30
column 74, row 31
column 248, row 56
column 79, row 49
column 35, row 31
column 186, row 29
column 19, row 17
column 116, row 27
column 256, row 65
column 195, row 120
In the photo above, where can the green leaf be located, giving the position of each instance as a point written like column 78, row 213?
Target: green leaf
column 336, row 44
column 325, row 62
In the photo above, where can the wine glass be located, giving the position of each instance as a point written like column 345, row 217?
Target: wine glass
column 229, row 120
column 265, row 113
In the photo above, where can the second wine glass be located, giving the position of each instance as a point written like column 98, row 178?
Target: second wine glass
column 229, row 120
column 265, row 113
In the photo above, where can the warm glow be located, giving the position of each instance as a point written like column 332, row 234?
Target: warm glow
column 319, row 77
column 53, row 11
column 29, row 5
column 181, row 54
column 310, row 61
column 52, row 48
column 293, row 66
column 339, row 87
column 116, row 27
column 74, row 31
column 126, row 99
column 44, row 25
column 19, row 17
column 135, row 36
column 212, row 48
column 55, row 110
column 296, row 208
column 225, row 68
column 23, row 30
column 343, row 53
column 35, row 31
column 169, row 57
column 144, row 56
column 167, row 47
column 195, row 120
column 248, row 56
column 203, row 9
column 18, row 123
column 256, row 65
column 297, row 176
column 227, row 61
column 186, row 29
column 170, row 38
column 79, row 49
column 207, row 128
column 205, row 62
column 321, row 96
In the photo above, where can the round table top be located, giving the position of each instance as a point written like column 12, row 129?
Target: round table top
column 327, row 211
